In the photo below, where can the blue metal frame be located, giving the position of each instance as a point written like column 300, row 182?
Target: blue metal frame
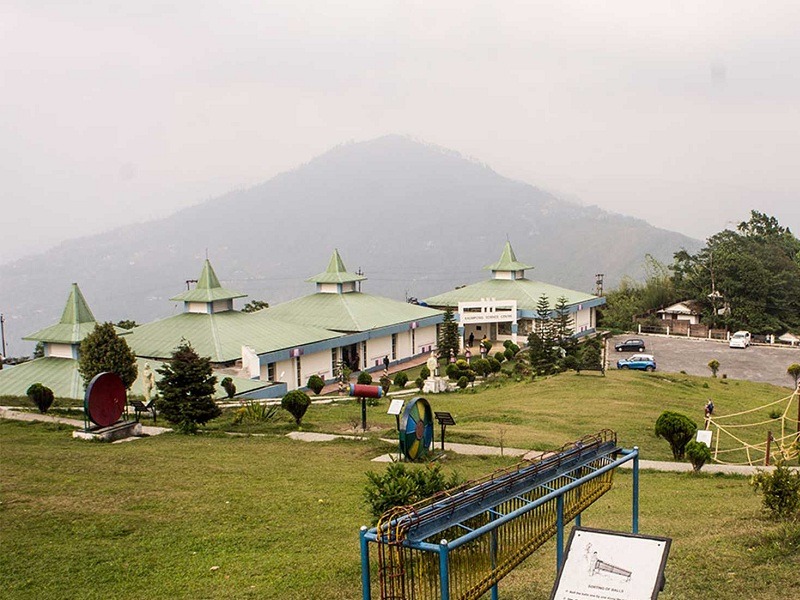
column 445, row 547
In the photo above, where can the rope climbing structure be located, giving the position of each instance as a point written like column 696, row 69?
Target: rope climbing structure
column 755, row 436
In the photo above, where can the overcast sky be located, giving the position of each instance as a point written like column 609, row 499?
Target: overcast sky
column 686, row 114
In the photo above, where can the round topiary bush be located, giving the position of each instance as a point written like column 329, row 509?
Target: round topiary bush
column 452, row 371
column 401, row 379
column 315, row 384
column 481, row 366
column 499, row 356
column 364, row 378
column 698, row 454
column 419, row 382
column 494, row 365
column 296, row 403
column 425, row 372
column 229, row 387
column 462, row 382
column 507, row 344
column 677, row 429
column 41, row 396
column 508, row 353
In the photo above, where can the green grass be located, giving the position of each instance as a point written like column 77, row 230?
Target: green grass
column 280, row 519
column 150, row 519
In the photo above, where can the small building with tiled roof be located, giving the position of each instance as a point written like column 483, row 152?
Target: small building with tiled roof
column 504, row 306
column 373, row 327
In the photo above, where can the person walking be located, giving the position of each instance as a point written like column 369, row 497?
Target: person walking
column 386, row 366
column 471, row 338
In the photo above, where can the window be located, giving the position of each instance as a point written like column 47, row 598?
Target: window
column 394, row 346
column 363, row 355
column 298, row 371
column 413, row 342
column 271, row 372
column 334, row 360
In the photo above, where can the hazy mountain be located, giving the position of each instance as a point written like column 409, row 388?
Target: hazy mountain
column 417, row 219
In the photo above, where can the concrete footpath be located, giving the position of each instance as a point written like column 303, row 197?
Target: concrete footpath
column 467, row 449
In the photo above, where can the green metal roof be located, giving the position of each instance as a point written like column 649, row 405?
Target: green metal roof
column 61, row 375
column 508, row 261
column 221, row 335
column 208, row 288
column 336, row 272
column 524, row 291
column 77, row 321
column 348, row 312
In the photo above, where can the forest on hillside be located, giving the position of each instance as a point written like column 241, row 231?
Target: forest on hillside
column 748, row 278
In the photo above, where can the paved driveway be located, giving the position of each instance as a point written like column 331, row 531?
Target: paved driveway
column 674, row 354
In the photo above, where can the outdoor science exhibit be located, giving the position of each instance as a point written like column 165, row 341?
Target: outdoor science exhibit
column 459, row 544
column 105, row 410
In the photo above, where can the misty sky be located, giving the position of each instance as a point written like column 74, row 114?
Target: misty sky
column 686, row 114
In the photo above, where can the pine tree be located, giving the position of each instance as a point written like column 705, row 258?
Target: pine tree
column 448, row 337
column 563, row 320
column 103, row 350
column 187, row 389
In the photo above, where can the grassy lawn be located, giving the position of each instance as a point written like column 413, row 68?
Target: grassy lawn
column 150, row 519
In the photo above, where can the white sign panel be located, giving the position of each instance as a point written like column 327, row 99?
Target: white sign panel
column 500, row 316
column 610, row 565
column 395, row 407
column 704, row 437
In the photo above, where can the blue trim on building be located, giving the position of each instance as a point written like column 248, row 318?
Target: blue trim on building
column 348, row 339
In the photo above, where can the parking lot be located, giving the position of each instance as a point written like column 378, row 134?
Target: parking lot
column 766, row 364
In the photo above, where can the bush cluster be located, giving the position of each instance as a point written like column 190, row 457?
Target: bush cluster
column 401, row 379
column 781, row 490
column 364, row 378
column 401, row 485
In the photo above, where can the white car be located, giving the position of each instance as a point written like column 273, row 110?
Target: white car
column 740, row 339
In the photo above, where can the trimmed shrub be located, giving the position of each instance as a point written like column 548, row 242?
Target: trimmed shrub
column 494, row 365
column 507, row 344
column 425, row 372
column 508, row 353
column 41, row 396
column 698, row 454
column 499, row 356
column 229, row 387
column 419, row 382
column 677, row 429
column 462, row 364
column 481, row 366
column 462, row 382
column 296, row 403
column 572, row 363
column 364, row 378
column 401, row 379
column 452, row 371
column 714, row 366
column 315, row 384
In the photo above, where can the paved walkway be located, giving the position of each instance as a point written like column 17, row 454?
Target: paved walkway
column 467, row 449
column 20, row 415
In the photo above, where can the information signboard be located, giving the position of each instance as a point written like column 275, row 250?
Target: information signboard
column 611, row 565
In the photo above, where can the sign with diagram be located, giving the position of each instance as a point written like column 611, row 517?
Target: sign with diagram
column 611, row 565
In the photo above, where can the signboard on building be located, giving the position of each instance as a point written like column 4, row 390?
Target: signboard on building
column 611, row 565
column 487, row 311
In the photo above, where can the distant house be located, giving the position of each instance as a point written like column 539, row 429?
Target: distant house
column 686, row 310
column 789, row 338
column 504, row 307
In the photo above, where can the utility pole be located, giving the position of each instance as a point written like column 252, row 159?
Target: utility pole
column 3, row 336
column 599, row 284
column 360, row 273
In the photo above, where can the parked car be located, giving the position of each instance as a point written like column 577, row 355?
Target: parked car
column 645, row 362
column 631, row 345
column 740, row 339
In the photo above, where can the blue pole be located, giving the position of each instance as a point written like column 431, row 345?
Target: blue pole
column 366, row 592
column 494, row 559
column 559, row 531
column 635, row 507
column 578, row 520
column 444, row 571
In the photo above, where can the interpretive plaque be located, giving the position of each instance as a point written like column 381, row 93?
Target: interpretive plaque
column 395, row 407
column 611, row 565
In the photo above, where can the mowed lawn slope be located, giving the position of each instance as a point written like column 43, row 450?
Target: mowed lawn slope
column 152, row 518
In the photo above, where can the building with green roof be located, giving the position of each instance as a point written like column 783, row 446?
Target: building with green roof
column 58, row 369
column 373, row 327
column 504, row 306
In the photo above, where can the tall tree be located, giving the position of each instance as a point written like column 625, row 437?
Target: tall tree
column 448, row 334
column 186, row 390
column 563, row 320
column 103, row 350
column 745, row 279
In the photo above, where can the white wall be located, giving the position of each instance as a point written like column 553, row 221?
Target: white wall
column 59, row 350
column 197, row 307
column 377, row 348
column 583, row 320
column 426, row 336
column 318, row 363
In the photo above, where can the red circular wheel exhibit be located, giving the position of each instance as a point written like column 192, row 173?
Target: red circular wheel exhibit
column 105, row 399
